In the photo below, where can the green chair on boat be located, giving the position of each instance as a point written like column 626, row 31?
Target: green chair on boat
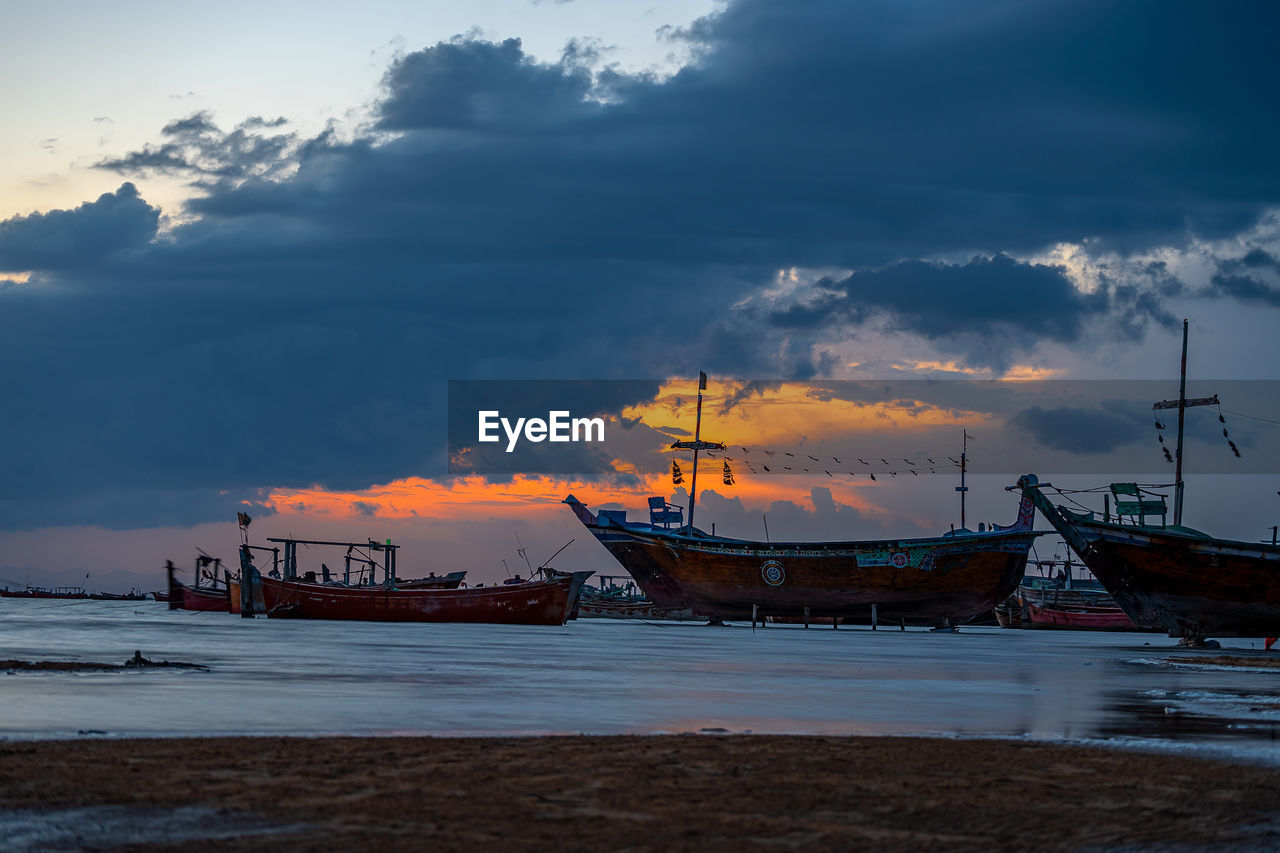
column 1137, row 503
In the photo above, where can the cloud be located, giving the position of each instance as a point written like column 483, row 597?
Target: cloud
column 469, row 84
column 1085, row 430
column 196, row 147
column 79, row 238
column 1253, row 277
column 988, row 309
column 508, row 217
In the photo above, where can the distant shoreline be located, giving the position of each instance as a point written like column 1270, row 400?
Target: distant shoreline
column 653, row 791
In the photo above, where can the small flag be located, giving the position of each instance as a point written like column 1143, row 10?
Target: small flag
column 243, row 518
column 702, row 381
column 728, row 474
column 676, row 477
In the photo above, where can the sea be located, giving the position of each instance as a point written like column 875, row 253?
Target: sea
column 602, row 676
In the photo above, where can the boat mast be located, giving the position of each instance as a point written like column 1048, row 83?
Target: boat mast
column 697, row 441
column 1182, row 404
column 696, row 445
column 1182, row 416
column 962, row 488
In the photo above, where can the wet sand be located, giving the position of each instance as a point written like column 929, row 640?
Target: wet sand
column 653, row 792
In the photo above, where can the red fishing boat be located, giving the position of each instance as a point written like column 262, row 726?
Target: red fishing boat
column 548, row 600
column 535, row 602
column 213, row 596
column 1077, row 618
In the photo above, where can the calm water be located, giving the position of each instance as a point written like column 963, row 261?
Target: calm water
column 603, row 676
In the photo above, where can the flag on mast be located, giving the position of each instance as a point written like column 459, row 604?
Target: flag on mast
column 702, row 381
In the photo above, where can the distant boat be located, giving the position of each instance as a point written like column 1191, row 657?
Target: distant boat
column 1062, row 602
column 133, row 595
column 452, row 580
column 534, row 602
column 213, row 596
column 943, row 580
column 45, row 592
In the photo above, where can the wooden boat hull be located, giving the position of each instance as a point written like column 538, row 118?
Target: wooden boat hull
column 631, row 610
column 535, row 603
column 1092, row 619
column 1187, row 584
column 942, row 580
column 183, row 597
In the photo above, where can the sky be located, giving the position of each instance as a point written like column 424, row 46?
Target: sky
column 242, row 254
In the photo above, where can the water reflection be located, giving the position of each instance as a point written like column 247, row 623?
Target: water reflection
column 599, row 676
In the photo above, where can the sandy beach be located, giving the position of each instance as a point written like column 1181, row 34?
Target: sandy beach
column 648, row 793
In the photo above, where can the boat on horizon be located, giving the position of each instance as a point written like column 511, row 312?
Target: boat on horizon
column 45, row 592
column 940, row 581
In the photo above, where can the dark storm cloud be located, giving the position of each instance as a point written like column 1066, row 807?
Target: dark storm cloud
column 75, row 239
column 1085, row 430
column 480, row 85
column 515, row 218
column 1255, row 277
column 986, row 309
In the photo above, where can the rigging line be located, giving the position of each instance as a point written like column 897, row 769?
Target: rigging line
column 1074, row 501
column 1250, row 417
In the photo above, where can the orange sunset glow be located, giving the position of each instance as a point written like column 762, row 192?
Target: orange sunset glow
column 783, row 414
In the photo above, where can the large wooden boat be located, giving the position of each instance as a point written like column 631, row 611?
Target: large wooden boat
column 534, row 602
column 211, row 597
column 1173, row 578
column 940, row 581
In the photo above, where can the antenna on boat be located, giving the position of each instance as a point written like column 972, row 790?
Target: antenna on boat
column 524, row 552
column 962, row 488
column 552, row 557
column 1182, row 404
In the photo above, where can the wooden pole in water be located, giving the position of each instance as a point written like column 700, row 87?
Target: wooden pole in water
column 873, row 617
column 806, row 611
column 754, row 609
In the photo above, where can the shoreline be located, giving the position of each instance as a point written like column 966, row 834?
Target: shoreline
column 644, row 791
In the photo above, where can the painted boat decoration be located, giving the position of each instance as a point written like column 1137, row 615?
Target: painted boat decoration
column 944, row 580
column 535, row 602
column 1173, row 578
column 213, row 596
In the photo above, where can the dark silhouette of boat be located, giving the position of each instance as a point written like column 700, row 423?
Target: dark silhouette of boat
column 546, row 601
column 1173, row 578
column 45, row 592
column 212, row 596
column 943, row 580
